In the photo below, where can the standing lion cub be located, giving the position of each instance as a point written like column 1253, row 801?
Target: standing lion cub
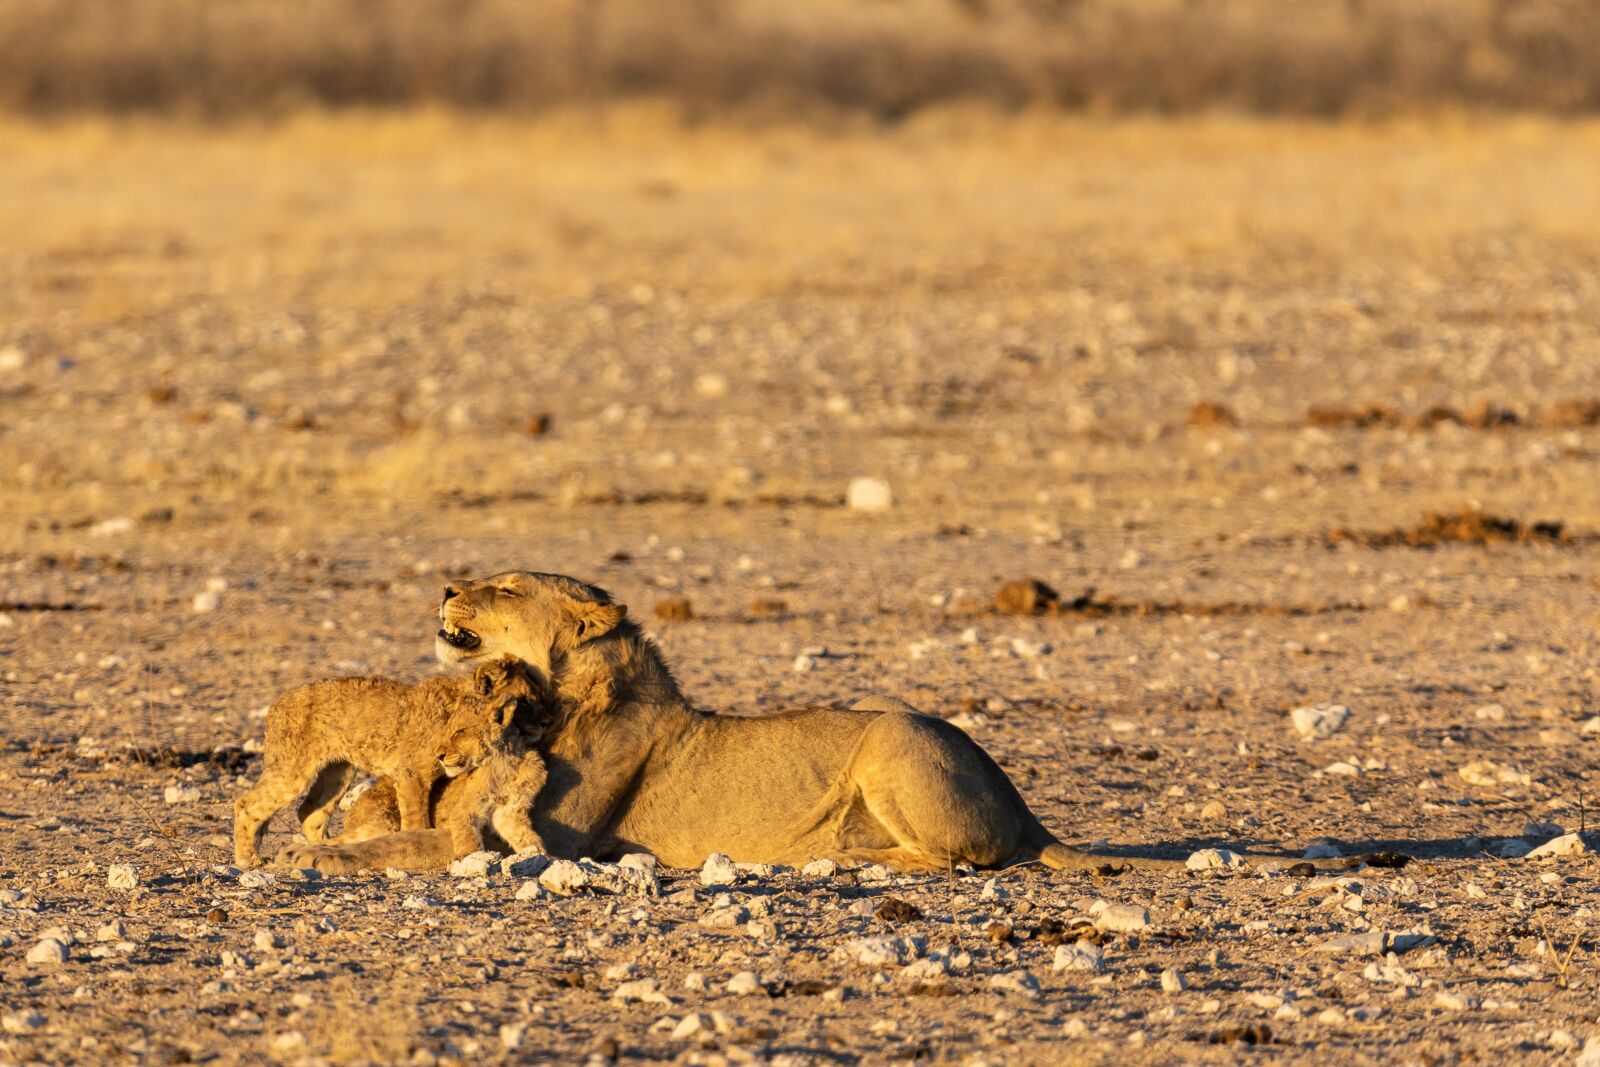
column 319, row 734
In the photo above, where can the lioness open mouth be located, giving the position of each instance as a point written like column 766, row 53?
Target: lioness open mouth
column 462, row 639
column 452, row 770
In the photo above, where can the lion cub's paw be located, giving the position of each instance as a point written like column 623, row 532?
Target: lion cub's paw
column 329, row 859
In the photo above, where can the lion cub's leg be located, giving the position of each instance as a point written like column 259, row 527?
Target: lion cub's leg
column 464, row 819
column 317, row 807
column 411, row 790
column 514, row 803
column 279, row 786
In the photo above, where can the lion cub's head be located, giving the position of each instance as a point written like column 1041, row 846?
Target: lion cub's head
column 533, row 617
column 485, row 719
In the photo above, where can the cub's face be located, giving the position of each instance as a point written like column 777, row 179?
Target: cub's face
column 482, row 717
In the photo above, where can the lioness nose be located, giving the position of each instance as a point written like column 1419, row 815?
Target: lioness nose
column 450, row 591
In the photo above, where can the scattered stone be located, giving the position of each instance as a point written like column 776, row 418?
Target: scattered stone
column 181, row 794
column 1026, row 596
column 475, row 865
column 257, row 879
column 1454, row 1001
column 1565, row 845
column 744, row 984
column 674, row 609
column 1210, row 859
column 1214, row 810
column 122, row 876
column 1173, row 981
column 820, row 869
column 530, row 890
column 111, row 931
column 511, row 1035
column 893, row 910
column 21, row 1022
column 869, row 494
column 1123, row 918
column 1082, row 956
column 883, row 951
column 690, row 1025
column 48, row 950
column 1369, row 943
column 1322, row 850
column 1319, row 722
column 1489, row 774
column 719, row 870
column 644, row 991
column 1021, row 983
column 206, row 602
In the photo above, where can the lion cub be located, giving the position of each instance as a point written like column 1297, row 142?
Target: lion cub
column 319, row 734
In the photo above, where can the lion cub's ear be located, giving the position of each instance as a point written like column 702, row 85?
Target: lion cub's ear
column 591, row 620
column 507, row 711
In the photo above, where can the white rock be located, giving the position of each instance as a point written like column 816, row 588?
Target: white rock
column 690, row 1025
column 638, row 861
column 1590, row 1056
column 803, row 663
column 181, row 794
column 711, row 386
column 1342, row 769
column 122, row 876
column 820, row 869
column 1319, row 722
column 526, row 864
column 530, row 890
column 289, row 1043
column 257, row 879
column 21, row 1022
column 993, row 890
column 1487, row 773
column 1123, row 918
column 1172, row 981
column 719, row 870
column 1322, row 851
column 475, row 865
column 744, row 984
column 869, row 494
column 12, row 358
column 48, row 950
column 564, row 877
column 511, row 1035
column 1454, row 1001
column 1028, row 648
column 645, row 991
column 1209, row 859
column 1018, row 982
column 206, row 602
column 1565, row 845
column 111, row 931
column 1082, row 956
column 266, row 940
column 881, row 951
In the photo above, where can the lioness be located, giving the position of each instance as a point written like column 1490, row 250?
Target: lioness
column 634, row 767
column 319, row 734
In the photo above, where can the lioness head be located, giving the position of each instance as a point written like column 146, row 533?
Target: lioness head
column 481, row 719
column 522, row 614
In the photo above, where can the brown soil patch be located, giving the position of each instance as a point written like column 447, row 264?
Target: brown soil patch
column 1465, row 527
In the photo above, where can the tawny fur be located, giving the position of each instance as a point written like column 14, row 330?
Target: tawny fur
column 634, row 767
column 319, row 735
column 504, row 775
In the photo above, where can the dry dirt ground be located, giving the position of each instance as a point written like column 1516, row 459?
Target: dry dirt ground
column 264, row 388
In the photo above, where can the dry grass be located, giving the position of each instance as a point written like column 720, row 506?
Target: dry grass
column 887, row 59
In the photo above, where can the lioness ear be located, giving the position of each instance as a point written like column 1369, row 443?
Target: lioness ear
column 592, row 620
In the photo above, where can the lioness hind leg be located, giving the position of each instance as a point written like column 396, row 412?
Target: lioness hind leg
column 317, row 807
column 255, row 809
column 939, row 796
